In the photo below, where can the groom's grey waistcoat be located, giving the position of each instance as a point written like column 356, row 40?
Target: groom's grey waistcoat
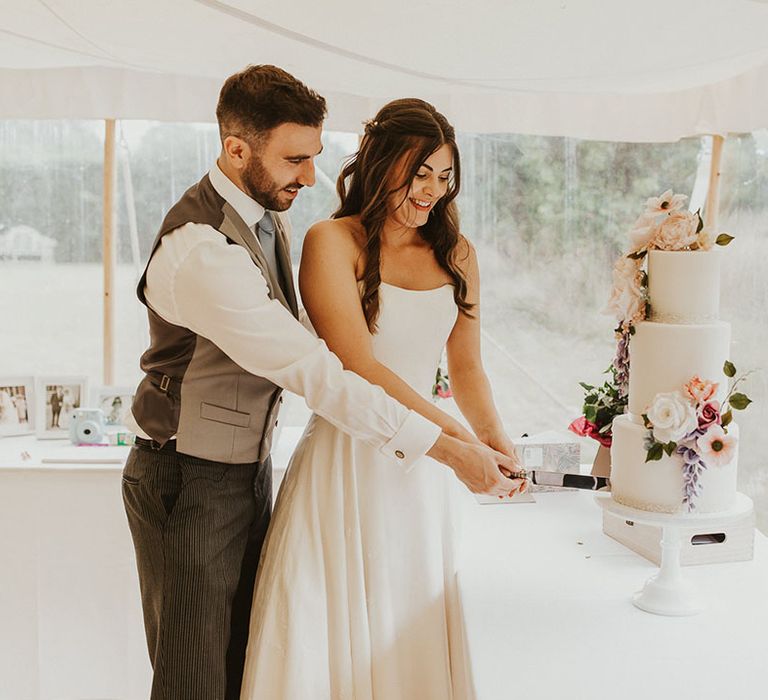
column 192, row 390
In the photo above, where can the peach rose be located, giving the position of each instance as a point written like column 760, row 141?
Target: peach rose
column 704, row 240
column 701, row 390
column 627, row 297
column 677, row 231
column 642, row 237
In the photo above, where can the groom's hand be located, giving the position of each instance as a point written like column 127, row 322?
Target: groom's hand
column 479, row 467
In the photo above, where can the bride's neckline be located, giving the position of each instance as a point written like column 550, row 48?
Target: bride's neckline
column 407, row 289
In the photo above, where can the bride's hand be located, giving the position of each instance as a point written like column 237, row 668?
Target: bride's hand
column 501, row 443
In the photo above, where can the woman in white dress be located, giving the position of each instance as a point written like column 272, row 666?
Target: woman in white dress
column 356, row 593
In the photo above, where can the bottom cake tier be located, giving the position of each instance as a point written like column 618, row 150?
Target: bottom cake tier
column 658, row 486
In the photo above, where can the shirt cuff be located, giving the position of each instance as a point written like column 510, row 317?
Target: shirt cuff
column 412, row 440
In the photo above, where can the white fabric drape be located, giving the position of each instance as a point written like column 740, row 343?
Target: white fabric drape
column 624, row 70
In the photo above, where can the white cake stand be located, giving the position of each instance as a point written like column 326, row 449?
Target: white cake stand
column 669, row 592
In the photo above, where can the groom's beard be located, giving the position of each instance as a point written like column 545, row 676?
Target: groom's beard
column 260, row 186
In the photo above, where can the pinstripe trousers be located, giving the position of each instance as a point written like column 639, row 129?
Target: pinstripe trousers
column 197, row 529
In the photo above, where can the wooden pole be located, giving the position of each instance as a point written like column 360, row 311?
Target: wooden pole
column 109, row 226
column 712, row 204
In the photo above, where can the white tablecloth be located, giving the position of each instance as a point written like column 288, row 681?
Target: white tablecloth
column 546, row 617
column 548, row 613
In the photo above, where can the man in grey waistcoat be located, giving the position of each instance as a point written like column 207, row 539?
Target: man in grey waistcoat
column 225, row 340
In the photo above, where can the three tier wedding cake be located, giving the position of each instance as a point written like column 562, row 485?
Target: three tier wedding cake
column 675, row 450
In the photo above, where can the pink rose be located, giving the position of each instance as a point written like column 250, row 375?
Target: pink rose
column 581, row 426
column 701, row 390
column 709, row 414
column 677, row 231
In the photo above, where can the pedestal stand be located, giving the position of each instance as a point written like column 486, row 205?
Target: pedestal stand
column 669, row 592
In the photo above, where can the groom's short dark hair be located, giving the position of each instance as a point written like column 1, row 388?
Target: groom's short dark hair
column 259, row 98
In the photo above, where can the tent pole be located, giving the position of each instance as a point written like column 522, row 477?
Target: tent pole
column 712, row 204
column 108, row 237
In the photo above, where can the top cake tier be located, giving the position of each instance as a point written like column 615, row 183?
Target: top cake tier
column 684, row 286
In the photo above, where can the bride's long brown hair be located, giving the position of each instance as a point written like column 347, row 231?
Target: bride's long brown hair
column 404, row 131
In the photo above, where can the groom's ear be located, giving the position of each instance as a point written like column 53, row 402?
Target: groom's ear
column 236, row 151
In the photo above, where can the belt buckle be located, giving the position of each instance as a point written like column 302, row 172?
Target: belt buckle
column 165, row 382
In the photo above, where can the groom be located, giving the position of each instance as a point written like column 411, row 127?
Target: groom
column 225, row 341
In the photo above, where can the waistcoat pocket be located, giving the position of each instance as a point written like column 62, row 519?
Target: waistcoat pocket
column 219, row 414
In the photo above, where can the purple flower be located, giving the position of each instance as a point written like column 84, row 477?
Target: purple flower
column 621, row 362
column 693, row 466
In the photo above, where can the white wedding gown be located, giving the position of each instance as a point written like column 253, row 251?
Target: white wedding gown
column 356, row 592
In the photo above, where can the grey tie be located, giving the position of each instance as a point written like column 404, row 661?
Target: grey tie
column 265, row 230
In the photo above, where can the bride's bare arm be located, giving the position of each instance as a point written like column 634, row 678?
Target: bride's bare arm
column 468, row 379
column 331, row 298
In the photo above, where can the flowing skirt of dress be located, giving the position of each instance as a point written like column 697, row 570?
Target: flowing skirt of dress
column 356, row 593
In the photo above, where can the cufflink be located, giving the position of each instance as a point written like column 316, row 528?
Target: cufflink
column 399, row 454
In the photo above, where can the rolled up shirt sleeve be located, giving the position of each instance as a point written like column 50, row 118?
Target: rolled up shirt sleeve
column 214, row 289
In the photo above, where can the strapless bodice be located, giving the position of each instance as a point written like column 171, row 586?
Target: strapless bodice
column 413, row 327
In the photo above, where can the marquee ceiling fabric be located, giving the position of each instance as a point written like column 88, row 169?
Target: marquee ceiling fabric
column 630, row 70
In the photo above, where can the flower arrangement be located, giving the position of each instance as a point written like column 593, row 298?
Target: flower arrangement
column 663, row 225
column 441, row 389
column 601, row 405
column 690, row 423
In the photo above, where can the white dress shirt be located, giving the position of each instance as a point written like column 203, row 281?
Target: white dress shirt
column 197, row 280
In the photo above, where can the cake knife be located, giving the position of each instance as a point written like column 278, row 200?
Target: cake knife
column 564, row 479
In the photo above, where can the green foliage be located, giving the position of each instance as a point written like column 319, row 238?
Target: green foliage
column 739, row 401
column 603, row 403
column 669, row 448
column 723, row 239
column 655, row 453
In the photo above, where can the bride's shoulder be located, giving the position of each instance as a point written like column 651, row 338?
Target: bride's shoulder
column 332, row 242
column 345, row 232
column 465, row 254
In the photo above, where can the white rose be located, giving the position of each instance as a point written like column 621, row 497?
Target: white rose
column 672, row 416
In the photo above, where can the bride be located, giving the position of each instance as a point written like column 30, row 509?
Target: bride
column 356, row 593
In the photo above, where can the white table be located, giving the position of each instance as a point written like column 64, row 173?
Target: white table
column 70, row 614
column 548, row 613
column 546, row 617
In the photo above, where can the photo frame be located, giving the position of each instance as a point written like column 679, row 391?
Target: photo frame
column 17, row 405
column 56, row 397
column 114, row 401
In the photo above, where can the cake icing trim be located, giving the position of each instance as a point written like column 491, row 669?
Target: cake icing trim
column 645, row 505
column 682, row 319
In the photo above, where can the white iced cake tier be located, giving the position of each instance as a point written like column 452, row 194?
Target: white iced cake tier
column 663, row 357
column 658, row 486
column 684, row 286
